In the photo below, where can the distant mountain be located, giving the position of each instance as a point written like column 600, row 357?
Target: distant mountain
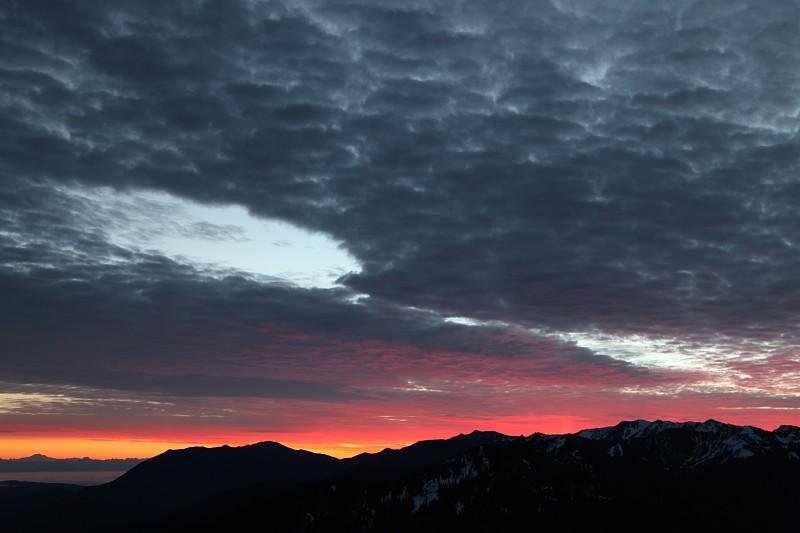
column 35, row 458
column 42, row 463
column 636, row 476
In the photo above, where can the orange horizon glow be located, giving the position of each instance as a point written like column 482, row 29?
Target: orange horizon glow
column 342, row 444
column 76, row 447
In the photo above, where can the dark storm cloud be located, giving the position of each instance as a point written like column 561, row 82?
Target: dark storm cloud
column 628, row 167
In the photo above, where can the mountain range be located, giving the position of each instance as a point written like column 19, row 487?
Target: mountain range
column 41, row 463
column 635, row 476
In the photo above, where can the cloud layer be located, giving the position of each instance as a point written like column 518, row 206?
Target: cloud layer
column 605, row 194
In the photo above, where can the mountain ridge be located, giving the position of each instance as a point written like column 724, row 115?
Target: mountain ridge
column 638, row 473
column 477, row 481
column 41, row 463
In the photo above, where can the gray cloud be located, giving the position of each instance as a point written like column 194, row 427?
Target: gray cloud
column 626, row 167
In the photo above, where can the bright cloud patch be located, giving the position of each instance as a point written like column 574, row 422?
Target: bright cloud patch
column 643, row 350
column 214, row 237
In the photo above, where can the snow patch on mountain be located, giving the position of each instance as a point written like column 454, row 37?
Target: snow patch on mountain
column 708, row 441
column 615, row 450
column 636, row 429
column 430, row 493
column 787, row 434
column 458, row 470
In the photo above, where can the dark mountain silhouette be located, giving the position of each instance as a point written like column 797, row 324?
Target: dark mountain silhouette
column 390, row 464
column 26, row 496
column 636, row 476
column 178, row 478
column 13, row 488
column 381, row 468
column 424, row 452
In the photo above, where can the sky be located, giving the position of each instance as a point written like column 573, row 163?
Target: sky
column 347, row 225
